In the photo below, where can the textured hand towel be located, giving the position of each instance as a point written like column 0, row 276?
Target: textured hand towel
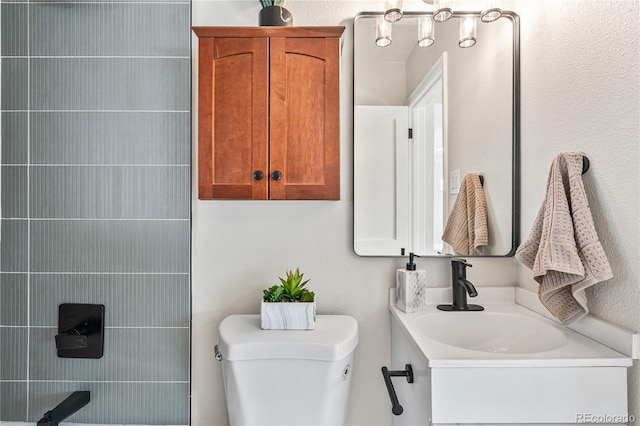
column 563, row 249
column 466, row 230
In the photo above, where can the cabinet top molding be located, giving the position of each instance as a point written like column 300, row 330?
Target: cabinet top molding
column 306, row 32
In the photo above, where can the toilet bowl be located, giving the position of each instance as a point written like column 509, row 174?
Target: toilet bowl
column 287, row 377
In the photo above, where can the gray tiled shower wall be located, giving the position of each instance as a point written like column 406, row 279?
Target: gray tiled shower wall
column 95, row 204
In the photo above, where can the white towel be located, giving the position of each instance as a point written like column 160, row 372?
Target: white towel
column 563, row 249
column 466, row 230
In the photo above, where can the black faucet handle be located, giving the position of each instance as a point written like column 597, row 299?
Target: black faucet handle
column 463, row 262
column 459, row 268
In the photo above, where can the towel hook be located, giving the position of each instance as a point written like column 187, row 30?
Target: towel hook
column 585, row 164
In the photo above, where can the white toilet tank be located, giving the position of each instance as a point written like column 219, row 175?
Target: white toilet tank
column 287, row 377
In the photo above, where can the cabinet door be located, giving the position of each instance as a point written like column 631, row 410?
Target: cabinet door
column 415, row 397
column 233, row 118
column 305, row 118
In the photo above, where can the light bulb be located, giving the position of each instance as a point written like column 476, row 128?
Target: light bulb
column 491, row 11
column 383, row 33
column 441, row 10
column 467, row 32
column 393, row 10
column 426, row 32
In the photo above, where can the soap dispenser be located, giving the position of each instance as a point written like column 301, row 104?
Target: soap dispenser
column 411, row 284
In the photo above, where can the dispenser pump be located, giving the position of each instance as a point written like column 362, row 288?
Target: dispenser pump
column 411, row 286
column 411, row 266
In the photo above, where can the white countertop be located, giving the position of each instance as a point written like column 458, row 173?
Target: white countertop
column 578, row 350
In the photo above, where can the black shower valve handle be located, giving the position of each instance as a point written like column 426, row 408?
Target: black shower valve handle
column 75, row 338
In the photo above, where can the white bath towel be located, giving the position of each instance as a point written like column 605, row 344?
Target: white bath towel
column 563, row 249
column 466, row 230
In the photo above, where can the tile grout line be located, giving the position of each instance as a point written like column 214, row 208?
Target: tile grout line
column 100, row 219
column 96, row 165
column 109, row 111
column 160, row 382
column 95, row 273
column 95, row 57
column 148, row 382
column 103, row 2
column 126, row 2
column 28, row 360
column 109, row 327
column 1, row 169
column 98, row 57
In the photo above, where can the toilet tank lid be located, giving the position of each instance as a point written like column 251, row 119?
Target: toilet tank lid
column 241, row 338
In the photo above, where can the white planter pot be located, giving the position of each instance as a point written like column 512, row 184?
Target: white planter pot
column 288, row 315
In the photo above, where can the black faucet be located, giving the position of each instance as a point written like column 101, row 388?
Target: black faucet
column 460, row 286
column 73, row 403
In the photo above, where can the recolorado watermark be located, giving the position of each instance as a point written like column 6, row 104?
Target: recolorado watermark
column 604, row 418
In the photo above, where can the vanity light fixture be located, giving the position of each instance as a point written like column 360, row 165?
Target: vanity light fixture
column 426, row 32
column 393, row 10
column 441, row 10
column 383, row 33
column 467, row 32
column 491, row 11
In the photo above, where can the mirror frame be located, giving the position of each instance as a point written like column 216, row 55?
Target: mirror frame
column 515, row 124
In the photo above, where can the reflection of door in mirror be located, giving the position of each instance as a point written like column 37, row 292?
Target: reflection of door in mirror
column 428, row 115
column 381, row 186
column 390, row 212
column 463, row 108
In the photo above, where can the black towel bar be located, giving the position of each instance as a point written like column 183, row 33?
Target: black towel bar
column 386, row 374
column 585, row 164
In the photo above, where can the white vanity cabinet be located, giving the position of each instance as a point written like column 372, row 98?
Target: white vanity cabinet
column 578, row 382
column 415, row 397
column 557, row 395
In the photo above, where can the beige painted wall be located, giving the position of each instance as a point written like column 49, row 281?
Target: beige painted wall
column 576, row 95
column 581, row 92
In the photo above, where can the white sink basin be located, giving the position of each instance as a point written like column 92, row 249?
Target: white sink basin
column 491, row 332
column 501, row 359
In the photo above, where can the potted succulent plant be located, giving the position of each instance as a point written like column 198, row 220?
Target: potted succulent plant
column 273, row 14
column 288, row 305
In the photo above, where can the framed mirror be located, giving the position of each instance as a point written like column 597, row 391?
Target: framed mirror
column 430, row 124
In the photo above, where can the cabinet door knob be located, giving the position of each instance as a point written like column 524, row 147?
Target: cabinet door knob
column 258, row 175
column 277, row 175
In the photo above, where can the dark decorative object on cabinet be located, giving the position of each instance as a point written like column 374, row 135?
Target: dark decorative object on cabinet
column 273, row 14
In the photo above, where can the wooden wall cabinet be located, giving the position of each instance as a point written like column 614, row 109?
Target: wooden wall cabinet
column 268, row 113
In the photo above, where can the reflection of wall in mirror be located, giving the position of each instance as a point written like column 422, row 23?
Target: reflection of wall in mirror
column 479, row 114
column 384, row 84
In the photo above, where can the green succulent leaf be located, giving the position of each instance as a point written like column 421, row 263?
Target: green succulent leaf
column 266, row 3
column 273, row 294
column 307, row 296
column 291, row 289
column 293, row 284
